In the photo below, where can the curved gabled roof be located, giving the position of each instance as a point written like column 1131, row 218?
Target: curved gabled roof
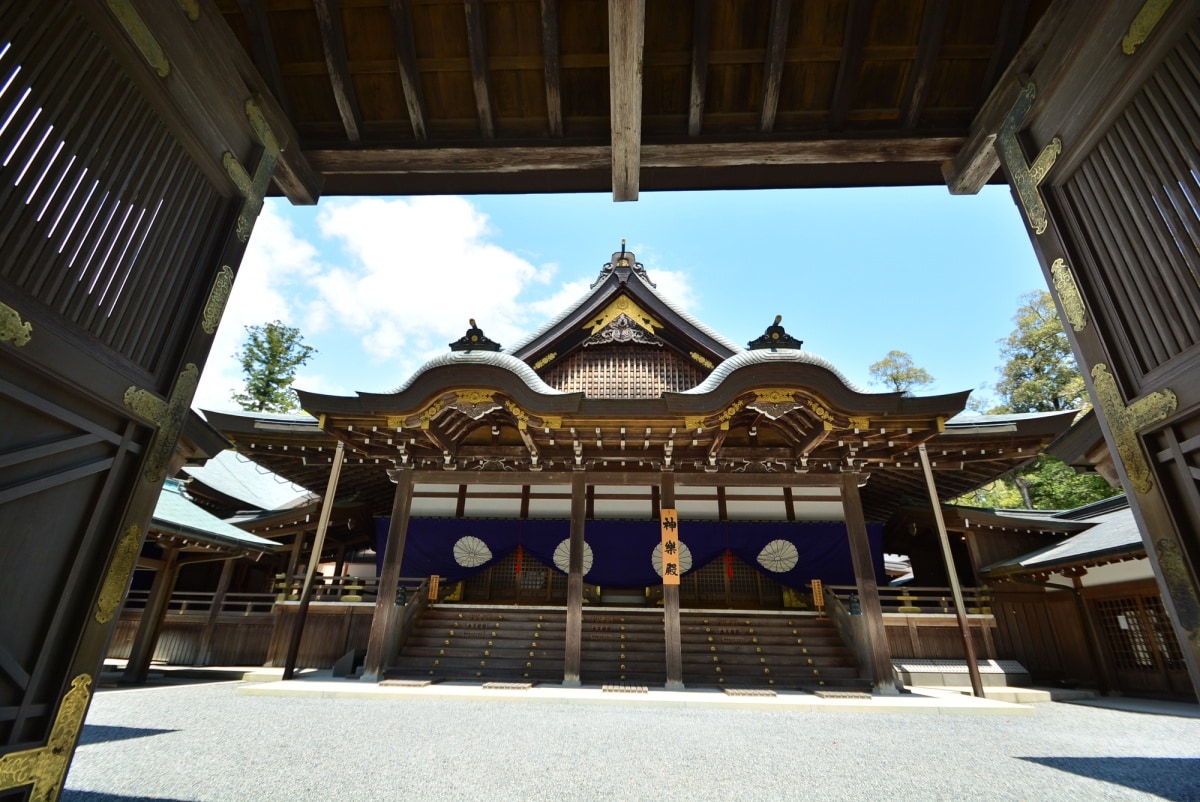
column 497, row 359
column 763, row 356
column 640, row 289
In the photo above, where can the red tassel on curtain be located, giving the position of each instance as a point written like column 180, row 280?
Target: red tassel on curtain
column 520, row 555
column 728, row 564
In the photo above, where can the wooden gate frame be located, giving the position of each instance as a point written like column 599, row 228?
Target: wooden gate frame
column 1057, row 100
column 190, row 90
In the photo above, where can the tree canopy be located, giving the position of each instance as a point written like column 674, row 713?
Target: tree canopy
column 897, row 371
column 269, row 357
column 1039, row 373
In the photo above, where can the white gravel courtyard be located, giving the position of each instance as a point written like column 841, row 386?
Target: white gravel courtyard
column 207, row 742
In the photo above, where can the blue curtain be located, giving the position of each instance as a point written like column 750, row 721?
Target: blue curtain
column 622, row 552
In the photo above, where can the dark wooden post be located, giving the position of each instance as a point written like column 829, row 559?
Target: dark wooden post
column 383, row 622
column 671, row 630
column 210, row 626
column 960, row 608
column 289, row 666
column 293, row 561
column 883, row 676
column 571, row 658
column 146, row 639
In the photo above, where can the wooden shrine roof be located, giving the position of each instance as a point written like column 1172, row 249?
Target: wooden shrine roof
column 466, row 96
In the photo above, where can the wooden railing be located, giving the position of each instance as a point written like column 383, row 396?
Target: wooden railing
column 328, row 588
column 908, row 600
column 183, row 602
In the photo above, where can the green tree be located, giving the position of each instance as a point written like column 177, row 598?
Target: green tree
column 1039, row 373
column 269, row 357
column 897, row 371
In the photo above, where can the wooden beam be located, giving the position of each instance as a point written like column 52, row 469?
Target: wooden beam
column 410, row 76
column 551, row 61
column 672, row 632
column 933, row 26
column 449, row 161
column 854, row 41
column 477, row 48
column 701, row 34
column 773, row 69
column 626, row 41
column 883, row 676
column 384, row 621
column 1008, row 39
column 629, row 478
column 574, row 633
column 333, row 42
column 262, row 46
column 140, row 654
column 977, row 161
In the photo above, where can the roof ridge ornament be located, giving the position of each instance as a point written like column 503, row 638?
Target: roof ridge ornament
column 775, row 337
column 474, row 340
column 624, row 263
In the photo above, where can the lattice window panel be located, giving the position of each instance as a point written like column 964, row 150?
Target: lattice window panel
column 624, row 371
column 1133, row 211
column 100, row 208
column 1127, row 633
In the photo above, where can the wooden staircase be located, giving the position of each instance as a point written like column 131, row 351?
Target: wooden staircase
column 625, row 646
column 774, row 650
column 485, row 643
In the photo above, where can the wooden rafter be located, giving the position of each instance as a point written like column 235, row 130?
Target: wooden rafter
column 1012, row 21
column 933, row 26
column 683, row 155
column 262, row 45
column 477, row 48
column 333, row 41
column 626, row 42
column 406, row 58
column 551, row 53
column 858, row 17
column 773, row 69
column 701, row 34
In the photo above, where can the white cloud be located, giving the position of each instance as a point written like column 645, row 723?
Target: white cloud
column 418, row 269
column 276, row 261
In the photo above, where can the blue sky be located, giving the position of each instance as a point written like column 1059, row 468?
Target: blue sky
column 379, row 285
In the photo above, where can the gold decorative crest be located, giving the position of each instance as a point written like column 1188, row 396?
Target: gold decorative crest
column 861, row 424
column 775, row 396
column 214, row 307
column 12, row 328
column 726, row 416
column 821, row 411
column 45, row 768
column 168, row 415
column 1126, row 421
column 1177, row 580
column 544, row 361
column 623, row 305
column 253, row 189
column 1143, row 25
column 142, row 38
column 113, row 589
column 691, row 424
column 549, row 422
column 475, row 396
column 521, row 415
column 430, row 413
column 774, row 403
column 1068, row 294
column 191, row 8
column 700, row 359
column 1026, row 177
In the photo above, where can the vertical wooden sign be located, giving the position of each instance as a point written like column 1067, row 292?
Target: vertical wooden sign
column 670, row 546
column 435, row 583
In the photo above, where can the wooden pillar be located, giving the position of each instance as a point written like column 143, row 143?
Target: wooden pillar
column 883, row 676
column 387, row 614
column 671, row 630
column 571, row 658
column 289, row 667
column 960, row 609
column 1095, row 650
column 294, row 560
column 210, row 626
column 152, row 617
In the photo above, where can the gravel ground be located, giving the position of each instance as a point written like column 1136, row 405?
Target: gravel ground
column 204, row 742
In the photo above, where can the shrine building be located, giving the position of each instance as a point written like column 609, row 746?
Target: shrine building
column 537, row 475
